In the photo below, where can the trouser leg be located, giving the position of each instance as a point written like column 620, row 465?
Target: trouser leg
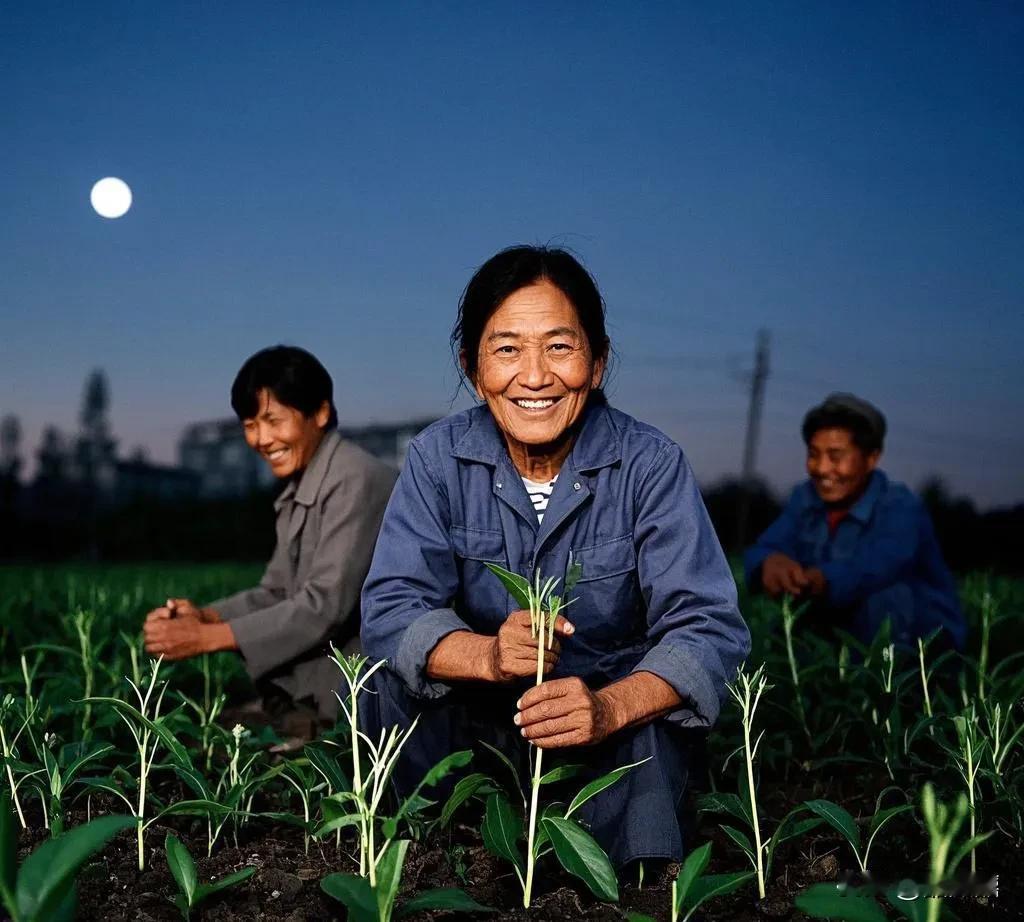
column 641, row 815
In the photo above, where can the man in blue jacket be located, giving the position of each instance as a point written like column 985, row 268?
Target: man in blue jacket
column 859, row 545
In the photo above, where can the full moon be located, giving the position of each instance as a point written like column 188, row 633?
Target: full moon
column 111, row 197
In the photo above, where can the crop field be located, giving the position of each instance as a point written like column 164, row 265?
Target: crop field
column 128, row 795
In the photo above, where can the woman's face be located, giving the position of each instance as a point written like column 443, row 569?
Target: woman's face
column 534, row 368
column 285, row 438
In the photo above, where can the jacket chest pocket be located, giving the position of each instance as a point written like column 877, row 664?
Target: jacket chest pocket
column 608, row 603
column 480, row 589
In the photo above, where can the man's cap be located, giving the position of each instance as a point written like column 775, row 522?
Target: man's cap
column 854, row 405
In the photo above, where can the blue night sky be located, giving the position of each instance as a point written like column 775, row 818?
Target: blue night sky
column 848, row 176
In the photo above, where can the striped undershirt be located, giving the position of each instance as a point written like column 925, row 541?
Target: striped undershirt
column 540, row 493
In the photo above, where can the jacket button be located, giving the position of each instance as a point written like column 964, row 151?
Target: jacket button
column 576, row 486
column 498, row 485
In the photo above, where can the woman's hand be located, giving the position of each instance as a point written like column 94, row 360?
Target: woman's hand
column 183, row 608
column 514, row 650
column 184, row 637
column 564, row 712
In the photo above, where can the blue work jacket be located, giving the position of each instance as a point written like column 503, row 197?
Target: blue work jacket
column 655, row 595
column 883, row 560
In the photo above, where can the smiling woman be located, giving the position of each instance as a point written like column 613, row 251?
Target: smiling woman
column 328, row 513
column 655, row 631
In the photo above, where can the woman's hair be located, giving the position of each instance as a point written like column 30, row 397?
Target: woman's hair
column 517, row 267
column 294, row 376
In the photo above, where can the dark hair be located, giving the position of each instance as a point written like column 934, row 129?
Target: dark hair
column 865, row 433
column 294, row 376
column 517, row 267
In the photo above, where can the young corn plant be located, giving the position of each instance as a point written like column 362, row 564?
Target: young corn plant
column 789, row 617
column 841, row 821
column 362, row 805
column 368, row 902
column 8, row 748
column 190, row 891
column 43, row 888
column 558, row 830
column 967, row 756
column 943, row 823
column 61, row 768
column 747, row 691
column 692, row 888
column 544, row 607
column 149, row 731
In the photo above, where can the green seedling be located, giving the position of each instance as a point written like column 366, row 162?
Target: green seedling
column 361, row 806
column 368, row 902
column 8, row 744
column 747, row 691
column 971, row 745
column 691, row 890
column 841, row 821
column 558, row 831
column 61, row 767
column 789, row 617
column 943, row 823
column 190, row 891
column 43, row 888
column 544, row 607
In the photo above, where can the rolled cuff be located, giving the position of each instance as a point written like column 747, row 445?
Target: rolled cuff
column 685, row 673
column 418, row 640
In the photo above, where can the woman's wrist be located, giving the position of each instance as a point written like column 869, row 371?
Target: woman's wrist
column 219, row 637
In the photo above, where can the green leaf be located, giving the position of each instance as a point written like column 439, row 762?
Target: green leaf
column 965, row 850
column 560, row 773
column 501, row 830
column 883, row 816
column 517, row 586
column 445, row 767
column 177, row 750
column 507, row 762
column 464, row 789
column 724, row 803
column 705, row 888
column 336, row 823
column 838, row 818
column 827, row 901
column 229, row 880
column 740, row 838
column 639, row 917
column 355, row 892
column 581, row 856
column 183, row 868
column 450, row 898
column 695, row 865
column 48, row 871
column 599, row 784
column 328, row 766
column 389, row 876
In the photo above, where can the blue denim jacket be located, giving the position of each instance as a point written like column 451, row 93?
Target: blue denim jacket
column 883, row 560
column 656, row 593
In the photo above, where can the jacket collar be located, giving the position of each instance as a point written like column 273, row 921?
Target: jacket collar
column 598, row 444
column 306, row 489
column 865, row 506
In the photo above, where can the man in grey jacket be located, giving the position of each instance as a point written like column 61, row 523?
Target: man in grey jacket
column 328, row 515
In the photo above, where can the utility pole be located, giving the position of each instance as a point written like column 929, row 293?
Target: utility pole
column 757, row 382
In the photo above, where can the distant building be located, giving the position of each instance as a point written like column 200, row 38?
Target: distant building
column 217, row 453
column 138, row 479
column 226, row 466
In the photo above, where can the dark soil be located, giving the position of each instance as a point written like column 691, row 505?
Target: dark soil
column 286, row 887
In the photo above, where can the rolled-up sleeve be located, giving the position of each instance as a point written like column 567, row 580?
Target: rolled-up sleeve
column 273, row 636
column 698, row 635
column 408, row 594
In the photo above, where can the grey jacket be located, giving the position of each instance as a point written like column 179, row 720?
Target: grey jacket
column 327, row 526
